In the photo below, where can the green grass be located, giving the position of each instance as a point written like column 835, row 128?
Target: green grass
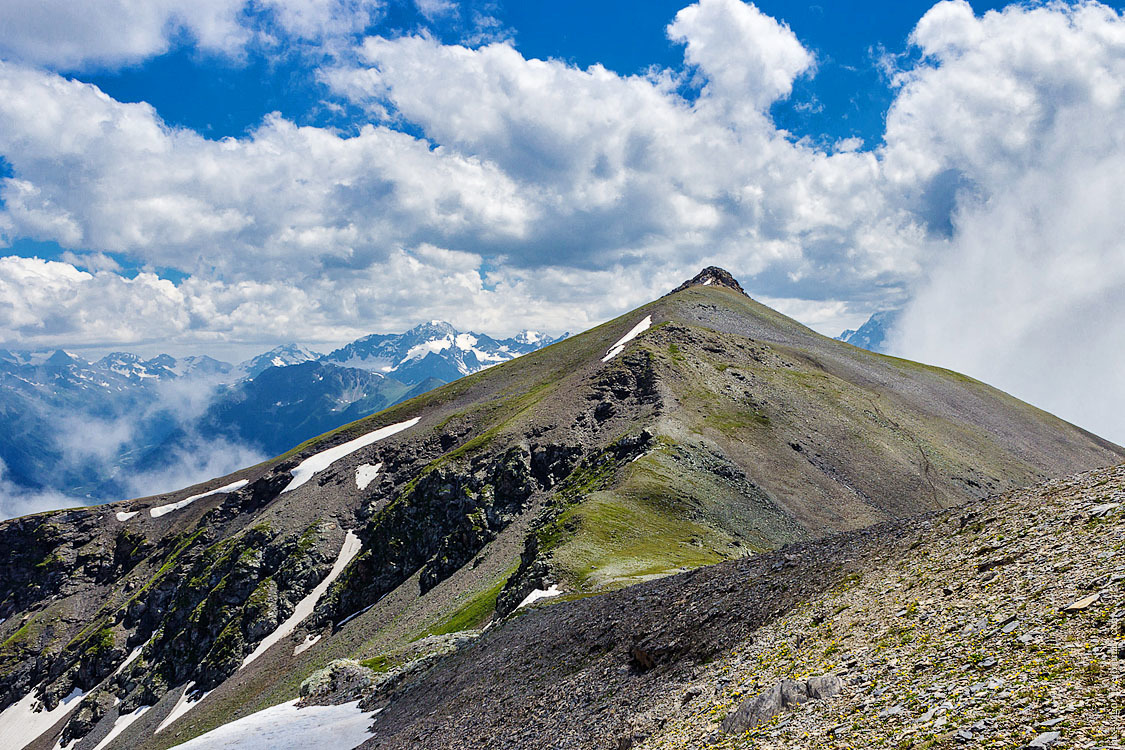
column 473, row 614
column 618, row 539
column 730, row 423
column 379, row 664
column 19, row 638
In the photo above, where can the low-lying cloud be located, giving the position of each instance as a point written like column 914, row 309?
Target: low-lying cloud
column 151, row 445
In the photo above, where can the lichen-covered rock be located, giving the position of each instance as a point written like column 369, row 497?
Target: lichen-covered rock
column 341, row 681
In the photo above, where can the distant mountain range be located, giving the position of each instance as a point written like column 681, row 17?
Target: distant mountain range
column 872, row 335
column 80, row 427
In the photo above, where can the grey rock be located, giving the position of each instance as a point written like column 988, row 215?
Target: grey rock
column 764, row 706
column 824, row 686
column 341, row 681
column 785, row 694
column 1045, row 740
column 1101, row 511
column 894, row 710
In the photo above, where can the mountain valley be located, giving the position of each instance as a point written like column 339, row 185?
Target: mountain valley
column 121, row 425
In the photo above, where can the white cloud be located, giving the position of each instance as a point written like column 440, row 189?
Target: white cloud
column 435, row 8
column 616, row 168
column 991, row 200
column 96, row 33
column 749, row 60
column 16, row 500
column 1027, row 291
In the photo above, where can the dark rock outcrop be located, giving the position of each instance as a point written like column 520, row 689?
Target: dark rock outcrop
column 711, row 275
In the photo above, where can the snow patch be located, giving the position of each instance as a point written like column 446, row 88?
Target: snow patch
column 434, row 346
column 21, row 724
column 183, row 705
column 321, row 461
column 619, row 347
column 708, row 281
column 305, row 645
column 354, row 615
column 538, row 594
column 483, row 356
column 348, row 550
column 285, row 727
column 121, row 724
column 123, row 517
column 163, row 510
column 465, row 341
column 132, row 657
column 365, row 474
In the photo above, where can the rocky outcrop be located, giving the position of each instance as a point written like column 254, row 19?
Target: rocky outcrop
column 343, row 680
column 784, row 695
column 711, row 275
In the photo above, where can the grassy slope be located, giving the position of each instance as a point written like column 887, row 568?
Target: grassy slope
column 741, row 384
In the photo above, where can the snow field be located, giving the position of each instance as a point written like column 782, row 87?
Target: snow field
column 285, row 727
column 163, row 510
column 619, row 347
column 318, row 462
column 20, row 724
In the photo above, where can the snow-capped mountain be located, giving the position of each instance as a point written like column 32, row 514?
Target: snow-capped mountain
column 53, row 402
column 280, row 356
column 202, row 365
column 134, row 368
column 434, row 350
column 872, row 334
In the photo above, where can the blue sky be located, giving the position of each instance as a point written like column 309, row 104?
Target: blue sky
column 220, row 95
column 222, row 175
column 848, row 96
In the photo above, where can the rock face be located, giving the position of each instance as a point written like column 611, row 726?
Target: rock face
column 711, row 275
column 721, row 432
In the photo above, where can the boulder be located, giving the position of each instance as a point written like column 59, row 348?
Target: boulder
column 784, row 695
column 341, row 681
column 764, row 706
column 824, row 686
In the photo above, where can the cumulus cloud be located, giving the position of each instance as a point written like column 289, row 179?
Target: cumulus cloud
column 107, row 33
column 748, row 59
column 501, row 191
column 1028, row 290
column 537, row 164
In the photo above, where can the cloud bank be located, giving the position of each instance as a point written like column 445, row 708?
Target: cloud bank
column 497, row 191
column 1028, row 290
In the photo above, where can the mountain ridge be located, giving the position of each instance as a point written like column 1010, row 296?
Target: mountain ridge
column 719, row 431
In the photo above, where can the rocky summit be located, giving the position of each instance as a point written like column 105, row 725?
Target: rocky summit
column 699, row 524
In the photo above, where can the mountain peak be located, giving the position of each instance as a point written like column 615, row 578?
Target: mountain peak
column 434, row 327
column 711, row 276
